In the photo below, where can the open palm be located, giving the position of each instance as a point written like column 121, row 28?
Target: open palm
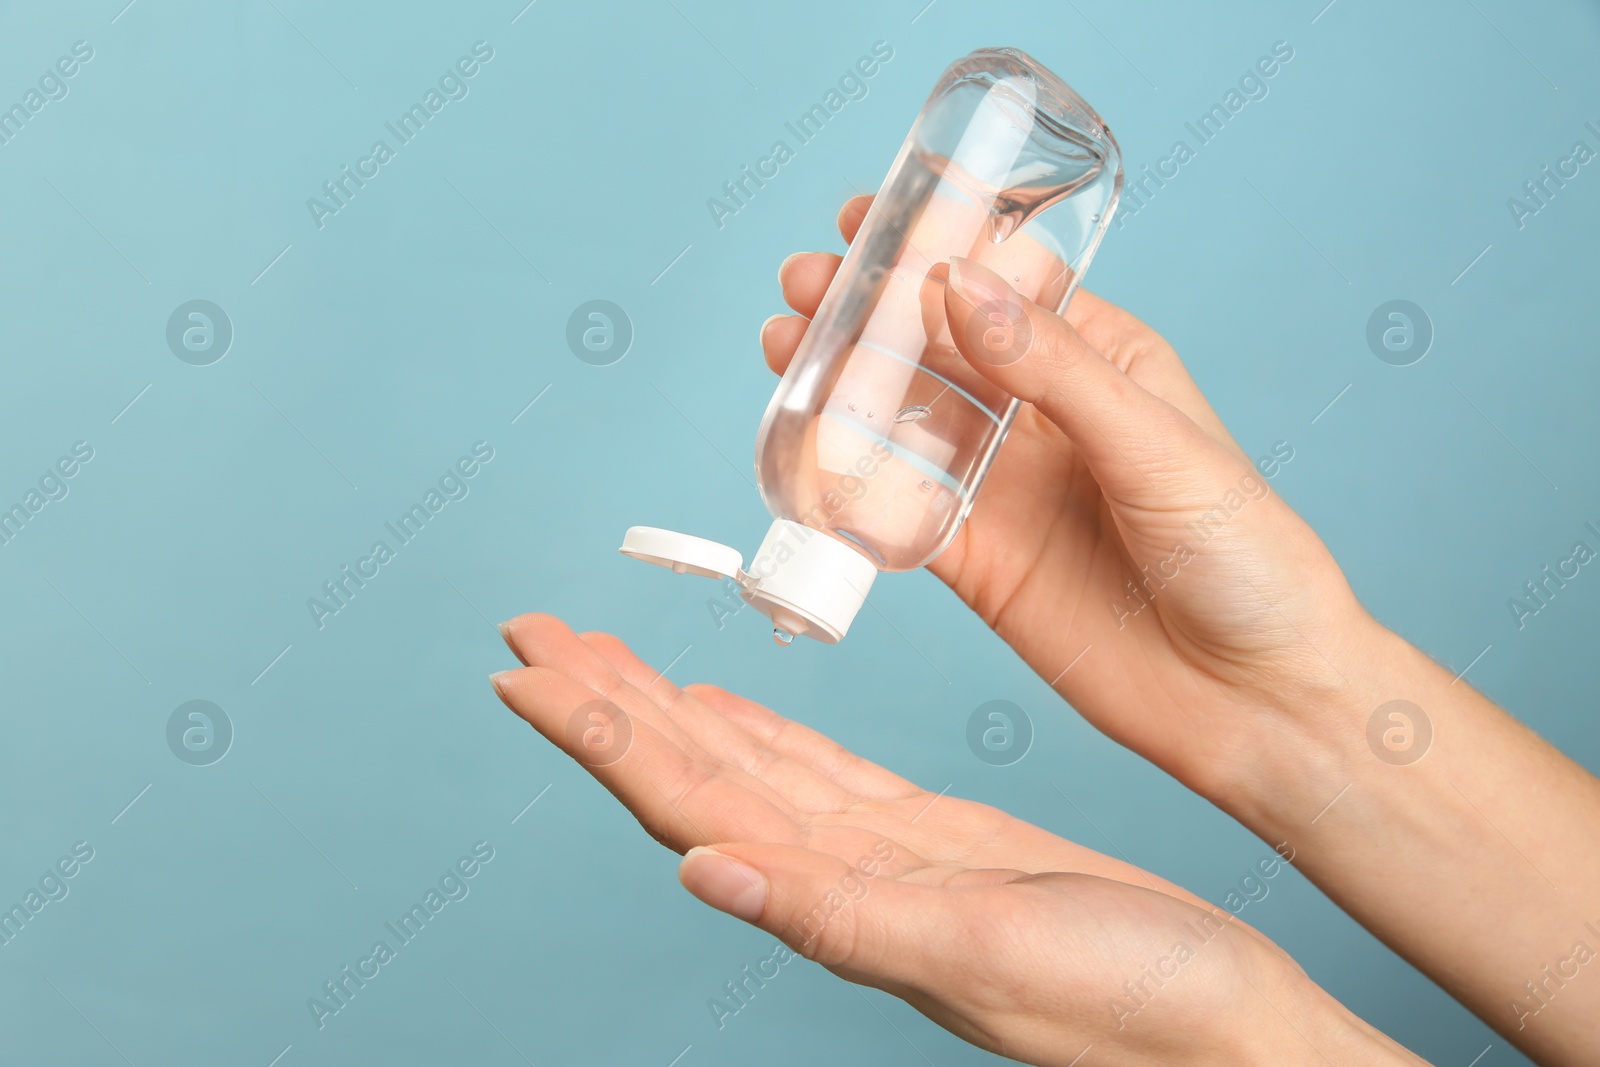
column 1007, row 935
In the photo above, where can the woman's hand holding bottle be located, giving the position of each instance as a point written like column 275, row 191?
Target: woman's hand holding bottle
column 1135, row 557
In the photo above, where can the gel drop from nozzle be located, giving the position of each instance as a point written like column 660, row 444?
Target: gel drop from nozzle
column 879, row 435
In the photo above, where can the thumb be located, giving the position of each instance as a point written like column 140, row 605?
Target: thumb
column 856, row 919
column 1133, row 441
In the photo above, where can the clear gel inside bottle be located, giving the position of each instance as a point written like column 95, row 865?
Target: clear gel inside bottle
column 880, row 432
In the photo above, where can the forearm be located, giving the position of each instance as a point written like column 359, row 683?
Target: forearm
column 1473, row 852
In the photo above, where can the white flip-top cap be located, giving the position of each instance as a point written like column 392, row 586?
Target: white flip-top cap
column 807, row 583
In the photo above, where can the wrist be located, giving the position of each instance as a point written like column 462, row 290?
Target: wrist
column 1423, row 809
column 1309, row 733
column 1299, row 1022
column 1260, row 1009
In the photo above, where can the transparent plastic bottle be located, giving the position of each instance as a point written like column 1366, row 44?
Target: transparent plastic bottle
column 875, row 444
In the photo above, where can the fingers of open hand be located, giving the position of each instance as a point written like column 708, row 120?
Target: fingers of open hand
column 541, row 640
column 679, row 792
column 792, row 784
column 822, row 755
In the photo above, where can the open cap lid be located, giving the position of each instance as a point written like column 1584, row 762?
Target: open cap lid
column 808, row 583
column 683, row 553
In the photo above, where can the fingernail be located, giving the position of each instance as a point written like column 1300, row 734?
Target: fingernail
column 785, row 264
column 978, row 284
column 762, row 336
column 997, row 329
column 505, row 635
column 724, row 883
column 495, row 680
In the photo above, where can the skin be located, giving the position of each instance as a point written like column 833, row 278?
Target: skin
column 1249, row 671
column 1008, row 936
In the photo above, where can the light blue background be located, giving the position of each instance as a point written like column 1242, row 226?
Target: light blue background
column 423, row 318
